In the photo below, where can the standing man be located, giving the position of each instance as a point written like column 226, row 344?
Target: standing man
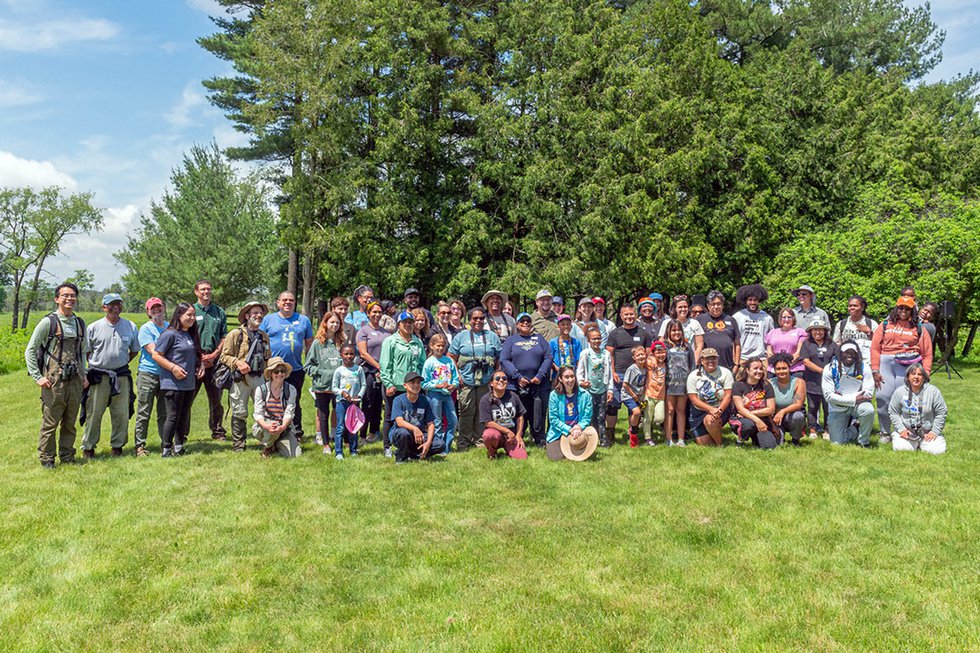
column 363, row 295
column 498, row 321
column 290, row 336
column 753, row 324
column 246, row 353
column 807, row 311
column 544, row 320
column 721, row 332
column 620, row 347
column 56, row 362
column 412, row 299
column 112, row 343
column 212, row 325
column 649, row 321
column 148, row 375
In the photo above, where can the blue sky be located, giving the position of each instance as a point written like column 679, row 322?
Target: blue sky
column 105, row 96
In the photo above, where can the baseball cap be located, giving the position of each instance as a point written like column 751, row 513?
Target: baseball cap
column 598, row 300
column 907, row 302
column 153, row 301
column 111, row 297
column 542, row 293
column 411, row 291
column 709, row 352
column 656, row 295
column 521, row 316
column 558, row 300
column 411, row 376
column 405, row 315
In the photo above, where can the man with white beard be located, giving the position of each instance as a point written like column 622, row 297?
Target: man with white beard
column 245, row 352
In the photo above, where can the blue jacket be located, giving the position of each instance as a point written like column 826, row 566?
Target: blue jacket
column 574, row 349
column 525, row 358
column 556, row 413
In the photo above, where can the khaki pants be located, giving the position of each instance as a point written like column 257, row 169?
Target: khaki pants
column 240, row 392
column 286, row 445
column 148, row 392
column 469, row 431
column 59, row 407
column 98, row 401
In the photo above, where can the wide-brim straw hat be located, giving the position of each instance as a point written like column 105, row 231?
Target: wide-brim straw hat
column 491, row 293
column 582, row 447
column 274, row 363
column 249, row 306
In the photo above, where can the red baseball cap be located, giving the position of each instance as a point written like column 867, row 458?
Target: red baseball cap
column 598, row 300
column 153, row 301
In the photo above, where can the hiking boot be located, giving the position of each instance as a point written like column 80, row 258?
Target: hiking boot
column 117, row 451
column 47, row 464
column 267, row 452
column 605, row 443
column 141, row 452
column 238, row 433
column 220, row 437
column 88, row 453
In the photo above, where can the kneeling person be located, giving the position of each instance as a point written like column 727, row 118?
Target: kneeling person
column 502, row 415
column 413, row 431
column 848, row 387
column 275, row 406
column 918, row 414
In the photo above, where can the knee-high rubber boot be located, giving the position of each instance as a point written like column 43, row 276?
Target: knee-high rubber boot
column 238, row 433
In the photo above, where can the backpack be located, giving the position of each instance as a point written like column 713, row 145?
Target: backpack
column 264, row 389
column 54, row 331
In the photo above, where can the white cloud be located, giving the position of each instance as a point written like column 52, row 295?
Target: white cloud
column 52, row 34
column 14, row 95
column 181, row 115
column 17, row 172
column 94, row 252
column 210, row 7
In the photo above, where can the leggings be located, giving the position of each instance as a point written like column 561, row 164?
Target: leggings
column 324, row 404
column 892, row 378
column 178, row 423
column 814, row 402
column 372, row 402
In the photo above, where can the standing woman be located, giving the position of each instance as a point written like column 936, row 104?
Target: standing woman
column 476, row 353
column 787, row 339
column 443, row 325
column 680, row 311
column 790, row 394
column 422, row 326
column 755, row 404
column 509, row 308
column 817, row 352
column 857, row 326
column 897, row 343
column 457, row 309
column 585, row 318
column 178, row 353
column 918, row 414
column 569, row 414
column 369, row 339
column 322, row 361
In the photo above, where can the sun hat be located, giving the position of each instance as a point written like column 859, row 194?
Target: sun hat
column 249, row 306
column 582, row 447
column 709, row 352
column 275, row 363
column 817, row 324
column 153, row 301
column 542, row 294
column 803, row 288
column 491, row 293
column 354, row 419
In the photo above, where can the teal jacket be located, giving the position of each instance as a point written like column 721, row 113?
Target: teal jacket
column 556, row 413
column 398, row 358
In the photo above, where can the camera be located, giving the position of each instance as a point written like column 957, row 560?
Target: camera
column 69, row 371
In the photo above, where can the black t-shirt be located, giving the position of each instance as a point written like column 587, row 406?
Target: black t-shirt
column 722, row 334
column 820, row 355
column 622, row 341
column 753, row 396
column 503, row 411
column 653, row 328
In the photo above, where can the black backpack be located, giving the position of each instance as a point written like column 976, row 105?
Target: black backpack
column 54, row 331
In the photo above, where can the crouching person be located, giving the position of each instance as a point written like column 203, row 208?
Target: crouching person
column 918, row 414
column 275, row 406
column 848, row 387
column 413, row 429
column 245, row 353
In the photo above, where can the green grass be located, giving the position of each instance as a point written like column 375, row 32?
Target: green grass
column 679, row 549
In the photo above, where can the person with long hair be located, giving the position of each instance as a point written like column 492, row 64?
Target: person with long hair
column 422, row 326
column 918, row 414
column 178, row 353
column 680, row 312
column 585, row 318
column 755, row 404
column 440, row 379
column 680, row 362
column 322, row 361
column 476, row 353
column 442, row 324
column 898, row 342
column 848, row 388
column 709, row 394
column 790, row 394
column 857, row 326
column 569, row 413
column 787, row 338
column 369, row 340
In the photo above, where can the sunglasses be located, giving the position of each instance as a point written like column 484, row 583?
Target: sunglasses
column 500, row 378
column 278, row 371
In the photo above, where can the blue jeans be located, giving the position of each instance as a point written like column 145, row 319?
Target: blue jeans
column 442, row 406
column 340, row 410
column 839, row 423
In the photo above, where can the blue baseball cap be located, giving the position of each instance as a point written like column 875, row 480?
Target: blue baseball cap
column 557, row 300
column 521, row 316
column 656, row 295
column 405, row 315
column 111, row 297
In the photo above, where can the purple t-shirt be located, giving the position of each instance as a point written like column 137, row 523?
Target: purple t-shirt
column 786, row 342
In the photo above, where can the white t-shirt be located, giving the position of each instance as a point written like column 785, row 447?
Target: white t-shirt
column 753, row 328
column 848, row 331
column 710, row 388
column 691, row 328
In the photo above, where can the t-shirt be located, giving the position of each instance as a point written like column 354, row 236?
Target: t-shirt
column 622, row 340
column 656, row 380
column 710, row 387
column 417, row 413
column 785, row 342
column 847, row 330
column 287, row 336
column 357, row 319
column 753, row 328
column 653, row 328
column 469, row 346
column 820, row 355
column 691, row 328
column 570, row 409
column 753, row 396
column 178, row 348
column 373, row 337
column 148, row 335
column 636, row 379
column 503, row 411
column 722, row 334
column 109, row 345
column 680, row 361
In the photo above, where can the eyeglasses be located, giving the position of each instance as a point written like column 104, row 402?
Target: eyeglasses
column 68, row 296
column 500, row 378
column 786, row 317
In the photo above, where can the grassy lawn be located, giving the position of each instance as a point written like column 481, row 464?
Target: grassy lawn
column 636, row 550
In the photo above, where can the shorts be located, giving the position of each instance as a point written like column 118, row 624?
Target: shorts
column 630, row 404
column 695, row 419
column 612, row 406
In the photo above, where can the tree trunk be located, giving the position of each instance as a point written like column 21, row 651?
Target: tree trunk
column 16, row 306
column 310, row 265
column 291, row 271
column 969, row 340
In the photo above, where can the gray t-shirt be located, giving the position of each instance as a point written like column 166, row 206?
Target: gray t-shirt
column 109, row 345
column 753, row 328
column 373, row 337
column 178, row 348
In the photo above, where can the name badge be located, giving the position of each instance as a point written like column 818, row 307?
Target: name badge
column 636, row 338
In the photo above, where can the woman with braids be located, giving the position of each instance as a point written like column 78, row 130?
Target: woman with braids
column 857, row 326
column 753, row 324
column 918, row 414
column 897, row 343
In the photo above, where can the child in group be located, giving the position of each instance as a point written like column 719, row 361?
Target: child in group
column 680, row 361
column 348, row 386
column 656, row 390
column 595, row 376
column 634, row 384
column 439, row 378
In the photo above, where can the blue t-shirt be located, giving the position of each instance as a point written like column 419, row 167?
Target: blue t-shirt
column 287, row 335
column 417, row 414
column 484, row 345
column 571, row 409
column 358, row 318
column 177, row 347
column 148, row 335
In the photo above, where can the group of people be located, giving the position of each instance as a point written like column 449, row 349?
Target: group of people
column 428, row 383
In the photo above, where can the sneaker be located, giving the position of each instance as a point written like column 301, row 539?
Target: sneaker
column 884, row 438
column 327, row 450
column 371, row 438
column 634, row 440
column 650, row 443
column 681, row 443
column 826, row 436
column 353, row 454
column 117, row 451
column 141, row 452
column 605, row 443
column 319, row 439
column 167, row 453
column 388, row 452
column 339, row 456
column 813, row 435
column 180, row 452
column 220, row 437
column 88, row 453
